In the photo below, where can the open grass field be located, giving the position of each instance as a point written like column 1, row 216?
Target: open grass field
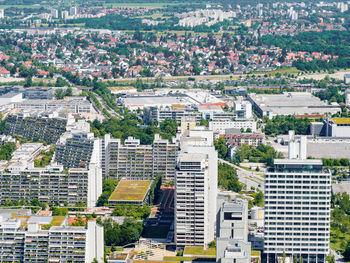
column 130, row 190
column 198, row 250
column 282, row 71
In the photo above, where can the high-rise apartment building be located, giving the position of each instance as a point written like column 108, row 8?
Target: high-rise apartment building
column 195, row 188
column 135, row 161
column 22, row 239
column 297, row 206
column 73, row 11
column 20, row 180
column 232, row 244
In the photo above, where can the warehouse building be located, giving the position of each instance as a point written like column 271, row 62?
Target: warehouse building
column 291, row 103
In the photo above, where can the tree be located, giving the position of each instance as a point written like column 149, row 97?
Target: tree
column 95, row 261
column 284, row 257
column 29, row 81
column 295, row 259
column 220, row 146
column 330, row 259
column 59, row 94
column 69, row 91
column 346, row 253
column 300, row 259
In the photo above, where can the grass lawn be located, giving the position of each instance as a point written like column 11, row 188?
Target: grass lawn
column 156, row 231
column 284, row 70
column 130, row 190
column 198, row 250
column 178, row 259
column 57, row 220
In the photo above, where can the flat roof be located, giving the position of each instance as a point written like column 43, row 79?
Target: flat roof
column 341, row 188
column 298, row 161
column 340, row 120
column 131, row 190
column 299, row 103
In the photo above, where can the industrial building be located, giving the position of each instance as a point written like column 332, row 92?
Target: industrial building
column 332, row 127
column 290, row 103
column 24, row 239
column 297, row 206
column 232, row 244
column 195, row 188
column 79, row 105
column 177, row 112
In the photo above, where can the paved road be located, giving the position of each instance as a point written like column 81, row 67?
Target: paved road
column 250, row 179
column 111, row 111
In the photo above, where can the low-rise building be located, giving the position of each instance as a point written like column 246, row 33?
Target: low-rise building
column 220, row 126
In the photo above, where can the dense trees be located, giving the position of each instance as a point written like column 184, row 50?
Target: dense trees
column 220, row 146
column 130, row 126
column 120, row 235
column 6, row 151
column 340, row 224
column 227, row 178
column 262, row 153
column 134, row 211
column 108, row 187
column 282, row 124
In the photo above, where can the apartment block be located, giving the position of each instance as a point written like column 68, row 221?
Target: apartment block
column 132, row 160
column 51, row 184
column 22, row 239
column 232, row 244
column 76, row 152
column 20, row 180
column 34, row 128
column 195, row 188
column 297, row 206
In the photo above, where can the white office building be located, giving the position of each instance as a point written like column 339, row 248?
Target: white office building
column 220, row 126
column 243, row 108
column 297, row 206
column 195, row 188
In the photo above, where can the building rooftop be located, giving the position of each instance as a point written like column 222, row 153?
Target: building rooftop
column 298, row 161
column 290, row 103
column 130, row 190
column 340, row 120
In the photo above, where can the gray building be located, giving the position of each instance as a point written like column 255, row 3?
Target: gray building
column 232, row 244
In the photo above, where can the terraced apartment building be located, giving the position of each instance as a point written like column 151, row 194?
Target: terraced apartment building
column 132, row 160
column 51, row 184
column 35, row 128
